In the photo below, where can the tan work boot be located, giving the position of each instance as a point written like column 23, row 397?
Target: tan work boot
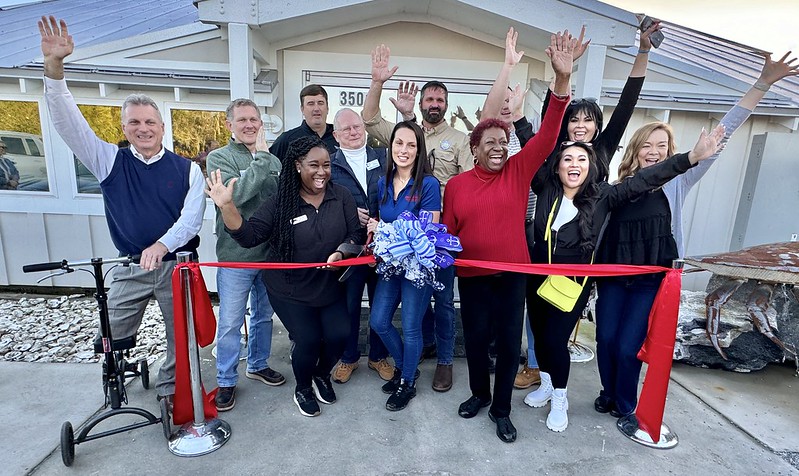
column 383, row 368
column 527, row 377
column 343, row 371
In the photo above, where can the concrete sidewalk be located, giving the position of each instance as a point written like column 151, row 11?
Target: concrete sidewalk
column 727, row 424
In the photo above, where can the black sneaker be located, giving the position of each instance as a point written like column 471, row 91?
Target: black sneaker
column 391, row 386
column 401, row 396
column 225, row 398
column 324, row 390
column 267, row 376
column 306, row 402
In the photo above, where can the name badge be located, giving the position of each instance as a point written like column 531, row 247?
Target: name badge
column 372, row 164
column 299, row 219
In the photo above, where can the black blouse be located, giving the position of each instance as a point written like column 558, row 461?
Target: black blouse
column 317, row 234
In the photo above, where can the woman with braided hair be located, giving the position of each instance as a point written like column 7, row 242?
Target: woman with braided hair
column 307, row 221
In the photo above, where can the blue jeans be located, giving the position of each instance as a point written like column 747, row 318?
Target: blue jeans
column 438, row 327
column 531, row 360
column 388, row 296
column 361, row 277
column 234, row 287
column 622, row 319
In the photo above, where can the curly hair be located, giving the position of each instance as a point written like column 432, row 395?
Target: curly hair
column 482, row 126
column 585, row 198
column 421, row 165
column 288, row 195
column 629, row 163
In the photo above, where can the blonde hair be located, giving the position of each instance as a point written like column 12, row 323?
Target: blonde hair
column 629, row 162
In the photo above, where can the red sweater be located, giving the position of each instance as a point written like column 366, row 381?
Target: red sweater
column 486, row 209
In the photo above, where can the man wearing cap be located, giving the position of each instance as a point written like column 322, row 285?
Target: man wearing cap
column 9, row 175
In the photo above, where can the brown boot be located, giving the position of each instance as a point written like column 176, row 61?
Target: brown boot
column 442, row 380
column 527, row 377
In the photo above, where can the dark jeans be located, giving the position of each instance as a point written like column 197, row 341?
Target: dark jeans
column 438, row 327
column 552, row 329
column 363, row 276
column 622, row 319
column 319, row 334
column 497, row 299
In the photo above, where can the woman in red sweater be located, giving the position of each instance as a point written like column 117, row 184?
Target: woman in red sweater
column 485, row 207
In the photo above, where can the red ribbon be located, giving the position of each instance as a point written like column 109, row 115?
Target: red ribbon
column 205, row 330
column 657, row 351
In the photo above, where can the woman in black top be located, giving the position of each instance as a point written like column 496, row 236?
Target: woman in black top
column 574, row 206
column 305, row 222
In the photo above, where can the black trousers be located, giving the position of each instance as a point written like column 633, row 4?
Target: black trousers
column 552, row 329
column 319, row 334
column 496, row 299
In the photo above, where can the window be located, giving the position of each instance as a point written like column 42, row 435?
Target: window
column 195, row 133
column 22, row 162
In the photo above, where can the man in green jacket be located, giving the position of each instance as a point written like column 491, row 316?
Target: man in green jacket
column 247, row 159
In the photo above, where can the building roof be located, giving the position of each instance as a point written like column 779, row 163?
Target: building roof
column 91, row 22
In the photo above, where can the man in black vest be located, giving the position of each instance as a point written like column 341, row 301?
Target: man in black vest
column 154, row 200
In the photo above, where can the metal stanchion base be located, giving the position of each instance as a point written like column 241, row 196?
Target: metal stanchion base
column 580, row 353
column 197, row 440
column 628, row 426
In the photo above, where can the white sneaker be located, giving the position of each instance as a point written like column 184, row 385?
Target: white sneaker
column 540, row 396
column 558, row 418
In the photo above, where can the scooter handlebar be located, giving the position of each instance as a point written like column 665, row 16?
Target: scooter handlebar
column 32, row 268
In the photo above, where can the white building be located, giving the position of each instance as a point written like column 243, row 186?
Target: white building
column 198, row 55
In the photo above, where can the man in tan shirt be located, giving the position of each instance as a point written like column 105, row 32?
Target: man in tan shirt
column 449, row 154
column 447, row 148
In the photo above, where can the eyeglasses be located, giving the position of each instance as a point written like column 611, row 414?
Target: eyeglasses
column 350, row 129
column 574, row 102
column 578, row 143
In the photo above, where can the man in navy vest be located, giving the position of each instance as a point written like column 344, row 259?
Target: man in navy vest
column 154, row 200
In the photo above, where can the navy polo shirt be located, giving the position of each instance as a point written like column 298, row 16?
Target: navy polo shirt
column 428, row 198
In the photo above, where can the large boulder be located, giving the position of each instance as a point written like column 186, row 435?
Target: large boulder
column 746, row 348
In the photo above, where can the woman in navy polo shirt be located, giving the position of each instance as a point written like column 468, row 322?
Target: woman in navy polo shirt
column 408, row 185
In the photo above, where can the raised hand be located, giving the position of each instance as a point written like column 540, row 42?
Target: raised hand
column 406, row 97
column 773, row 71
column 580, row 47
column 512, row 57
column 645, row 43
column 561, row 52
column 380, row 70
column 57, row 43
column 221, row 194
column 260, row 140
column 707, row 145
column 516, row 100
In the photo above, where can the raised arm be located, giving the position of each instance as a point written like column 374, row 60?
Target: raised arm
column 644, row 45
column 95, row 154
column 380, row 74
column 222, row 195
column 650, row 178
column 496, row 96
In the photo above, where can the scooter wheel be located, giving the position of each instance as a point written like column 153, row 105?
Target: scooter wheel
column 166, row 419
column 67, row 444
column 144, row 370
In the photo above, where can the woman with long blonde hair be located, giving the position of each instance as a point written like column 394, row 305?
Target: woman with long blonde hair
column 648, row 231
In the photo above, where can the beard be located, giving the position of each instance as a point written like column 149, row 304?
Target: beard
column 433, row 115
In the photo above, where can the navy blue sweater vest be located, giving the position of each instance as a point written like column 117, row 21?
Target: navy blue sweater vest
column 143, row 201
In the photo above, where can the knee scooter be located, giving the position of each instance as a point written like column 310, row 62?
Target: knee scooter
column 116, row 368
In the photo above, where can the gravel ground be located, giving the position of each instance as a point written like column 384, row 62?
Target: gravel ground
column 61, row 329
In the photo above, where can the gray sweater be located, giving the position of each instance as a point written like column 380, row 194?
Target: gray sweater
column 257, row 180
column 677, row 189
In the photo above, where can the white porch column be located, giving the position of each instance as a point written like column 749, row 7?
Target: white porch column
column 241, row 62
column 590, row 72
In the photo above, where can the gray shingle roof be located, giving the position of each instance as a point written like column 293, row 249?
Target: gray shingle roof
column 91, row 22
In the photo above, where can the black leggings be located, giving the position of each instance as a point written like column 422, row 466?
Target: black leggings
column 319, row 334
column 497, row 299
column 552, row 329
